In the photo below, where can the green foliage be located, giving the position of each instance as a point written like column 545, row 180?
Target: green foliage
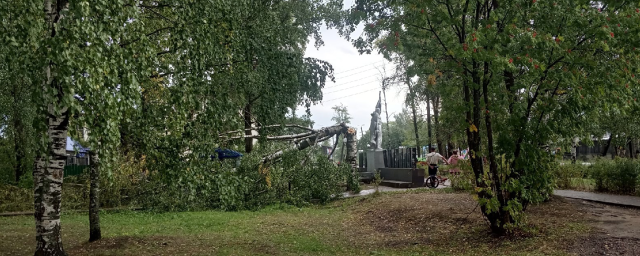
column 26, row 181
column 464, row 181
column 617, row 176
column 252, row 185
column 15, row 199
column 565, row 175
column 120, row 183
column 75, row 196
column 353, row 178
column 514, row 76
column 6, row 162
column 377, row 179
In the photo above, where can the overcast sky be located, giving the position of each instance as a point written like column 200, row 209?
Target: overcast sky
column 357, row 82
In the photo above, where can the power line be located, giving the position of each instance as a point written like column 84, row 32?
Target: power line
column 349, row 82
column 372, row 63
column 343, row 89
column 350, row 95
column 358, row 73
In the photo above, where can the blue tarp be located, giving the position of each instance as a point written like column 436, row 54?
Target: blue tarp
column 226, row 153
column 74, row 145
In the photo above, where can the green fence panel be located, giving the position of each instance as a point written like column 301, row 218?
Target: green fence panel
column 73, row 170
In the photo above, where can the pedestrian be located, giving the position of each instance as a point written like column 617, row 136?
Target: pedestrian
column 453, row 161
column 433, row 158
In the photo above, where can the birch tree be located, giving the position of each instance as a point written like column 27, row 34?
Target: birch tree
column 67, row 49
column 171, row 72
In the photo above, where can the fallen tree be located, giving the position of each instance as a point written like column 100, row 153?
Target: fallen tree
column 305, row 140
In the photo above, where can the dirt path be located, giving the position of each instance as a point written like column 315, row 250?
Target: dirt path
column 617, row 230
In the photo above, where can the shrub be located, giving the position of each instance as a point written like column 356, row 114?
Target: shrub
column 298, row 178
column 617, row 176
column 19, row 198
column 15, row 199
column 465, row 180
column 120, row 183
column 566, row 174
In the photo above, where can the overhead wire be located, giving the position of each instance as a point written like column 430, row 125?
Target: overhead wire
column 350, row 95
column 353, row 74
column 341, row 84
column 372, row 63
column 351, row 87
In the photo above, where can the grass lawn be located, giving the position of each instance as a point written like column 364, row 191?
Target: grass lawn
column 423, row 222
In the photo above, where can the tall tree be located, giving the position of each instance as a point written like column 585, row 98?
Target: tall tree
column 527, row 70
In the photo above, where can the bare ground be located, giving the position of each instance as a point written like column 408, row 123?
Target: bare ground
column 452, row 223
column 617, row 230
column 446, row 222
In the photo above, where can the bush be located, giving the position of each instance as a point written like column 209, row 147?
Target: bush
column 205, row 184
column 566, row 174
column 465, row 180
column 15, row 199
column 20, row 199
column 120, row 183
column 617, row 176
column 198, row 184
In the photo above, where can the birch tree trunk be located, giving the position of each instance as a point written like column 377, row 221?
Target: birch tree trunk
column 341, row 138
column 302, row 143
column 94, row 198
column 49, row 167
column 249, row 127
column 48, row 178
column 352, row 148
column 352, row 152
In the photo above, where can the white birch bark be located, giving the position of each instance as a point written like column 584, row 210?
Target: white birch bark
column 48, row 189
column 94, row 198
column 49, row 166
column 318, row 136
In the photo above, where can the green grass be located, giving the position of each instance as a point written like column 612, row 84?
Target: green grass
column 345, row 227
column 583, row 184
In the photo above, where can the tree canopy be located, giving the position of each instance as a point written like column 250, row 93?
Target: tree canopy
column 523, row 72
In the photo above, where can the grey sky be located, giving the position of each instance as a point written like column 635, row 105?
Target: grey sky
column 357, row 82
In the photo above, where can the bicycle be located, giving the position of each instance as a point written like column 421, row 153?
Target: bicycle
column 433, row 181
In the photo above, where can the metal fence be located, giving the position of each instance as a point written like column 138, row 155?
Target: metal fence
column 74, row 170
column 393, row 158
column 75, row 165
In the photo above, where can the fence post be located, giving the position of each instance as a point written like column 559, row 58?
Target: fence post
column 395, row 158
column 414, row 159
column 384, row 157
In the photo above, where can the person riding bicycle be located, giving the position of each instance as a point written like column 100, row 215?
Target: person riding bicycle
column 433, row 158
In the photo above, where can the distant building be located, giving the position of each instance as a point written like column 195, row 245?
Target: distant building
column 77, row 158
